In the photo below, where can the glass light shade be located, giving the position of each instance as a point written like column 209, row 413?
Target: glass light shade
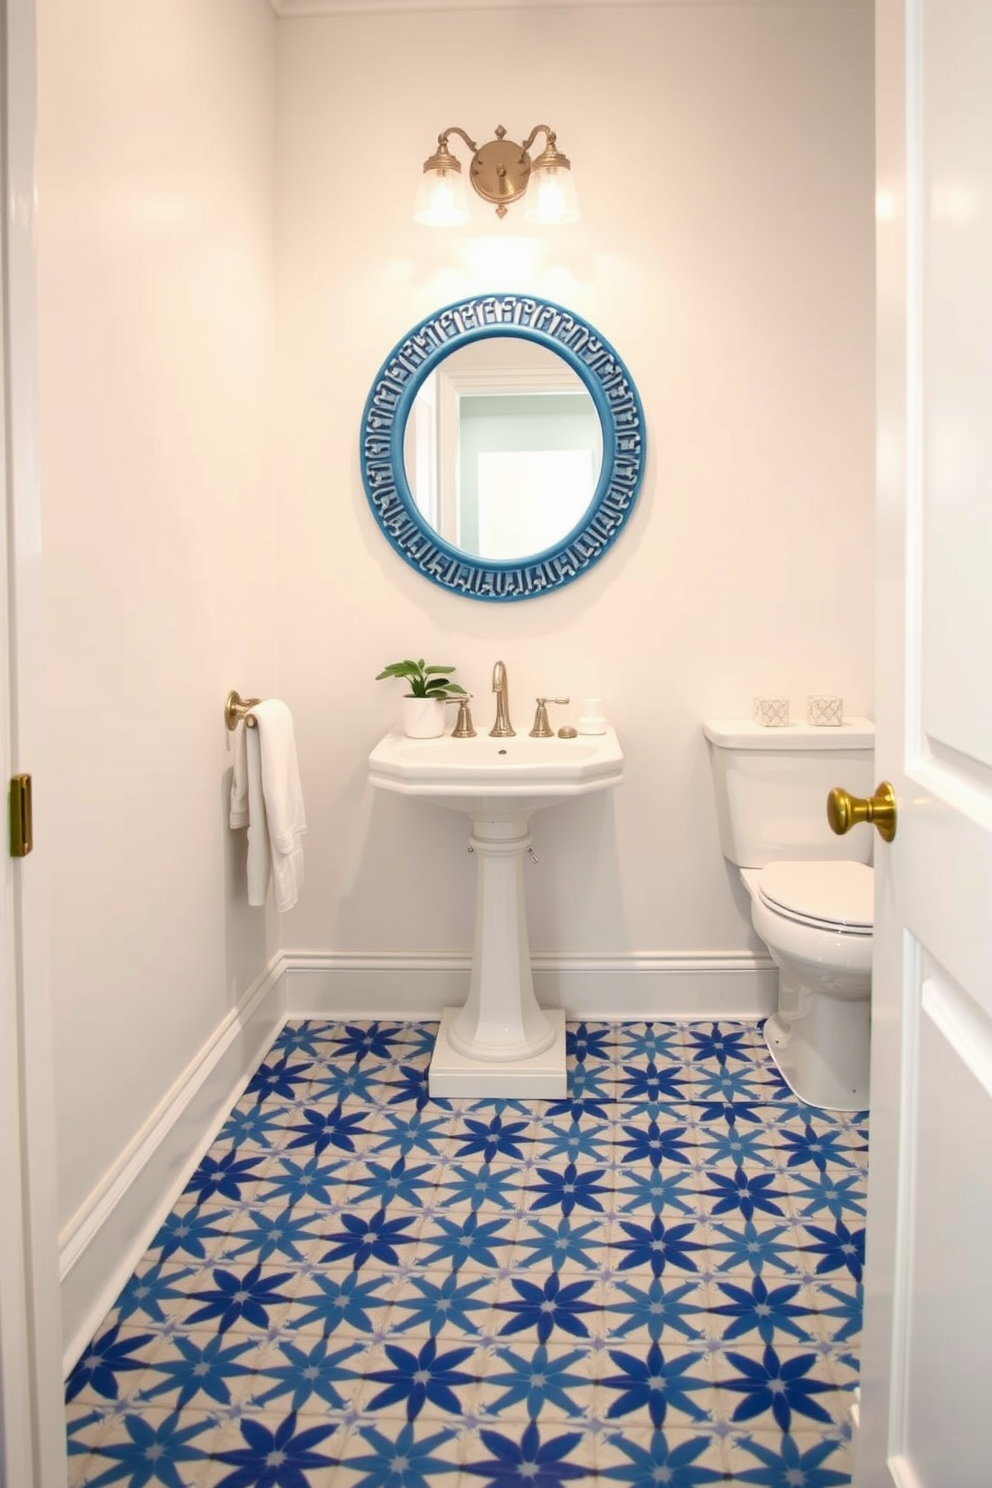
column 551, row 197
column 441, row 199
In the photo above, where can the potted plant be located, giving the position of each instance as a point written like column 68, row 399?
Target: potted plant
column 429, row 689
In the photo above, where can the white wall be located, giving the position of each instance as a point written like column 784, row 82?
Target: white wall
column 155, row 258
column 224, row 197
column 724, row 159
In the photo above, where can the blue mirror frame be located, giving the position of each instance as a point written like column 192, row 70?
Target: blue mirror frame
column 388, row 406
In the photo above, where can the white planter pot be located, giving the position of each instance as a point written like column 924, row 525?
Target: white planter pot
column 423, row 718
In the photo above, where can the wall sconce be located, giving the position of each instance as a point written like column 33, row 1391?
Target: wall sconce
column 501, row 172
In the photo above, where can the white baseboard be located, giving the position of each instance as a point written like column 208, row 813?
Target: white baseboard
column 101, row 1245
column 622, row 988
column 106, row 1237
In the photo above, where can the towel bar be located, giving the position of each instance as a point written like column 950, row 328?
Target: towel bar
column 236, row 707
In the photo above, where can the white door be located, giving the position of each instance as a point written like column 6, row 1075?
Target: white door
column 32, row 1418
column 927, row 1352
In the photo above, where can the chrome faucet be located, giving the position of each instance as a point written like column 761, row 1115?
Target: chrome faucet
column 502, row 728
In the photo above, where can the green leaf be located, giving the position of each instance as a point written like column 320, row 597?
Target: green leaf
column 399, row 669
column 424, row 680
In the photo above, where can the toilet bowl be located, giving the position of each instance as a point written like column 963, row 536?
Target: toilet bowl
column 816, row 920
column 811, row 893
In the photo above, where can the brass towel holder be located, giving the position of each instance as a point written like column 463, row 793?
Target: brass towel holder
column 237, row 708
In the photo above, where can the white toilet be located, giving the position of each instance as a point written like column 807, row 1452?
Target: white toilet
column 811, row 892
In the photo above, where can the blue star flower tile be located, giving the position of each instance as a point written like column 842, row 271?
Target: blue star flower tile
column 393, row 1450
column 776, row 1460
column 741, row 1246
column 241, row 1449
column 655, row 1279
column 338, row 1301
column 643, row 1309
column 462, row 1306
column 660, row 1379
column 579, row 1242
column 149, row 1443
column 825, row 1192
column 791, row 1387
column 529, row 1452
column 723, row 1148
column 662, row 1190
column 838, row 1308
column 647, row 1041
column 430, row 1378
column 668, row 1454
column 526, row 1380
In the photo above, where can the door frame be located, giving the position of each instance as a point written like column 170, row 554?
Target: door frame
column 32, row 1412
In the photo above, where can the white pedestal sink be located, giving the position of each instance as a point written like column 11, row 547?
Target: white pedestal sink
column 500, row 1042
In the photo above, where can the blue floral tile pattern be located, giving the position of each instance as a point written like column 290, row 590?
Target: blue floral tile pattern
column 654, row 1281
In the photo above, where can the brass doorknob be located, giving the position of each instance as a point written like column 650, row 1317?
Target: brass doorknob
column 845, row 811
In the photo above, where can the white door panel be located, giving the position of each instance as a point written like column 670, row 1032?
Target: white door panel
column 927, row 1350
column 955, row 227
column 948, row 1298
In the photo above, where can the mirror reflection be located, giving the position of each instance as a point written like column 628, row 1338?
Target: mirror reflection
column 503, row 448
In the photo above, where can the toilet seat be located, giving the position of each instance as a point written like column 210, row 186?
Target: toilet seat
column 836, row 896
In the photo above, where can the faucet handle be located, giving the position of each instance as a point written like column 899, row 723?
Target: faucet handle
column 464, row 727
column 542, row 728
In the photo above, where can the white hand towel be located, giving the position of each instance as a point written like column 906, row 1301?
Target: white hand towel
column 266, row 796
column 259, row 854
column 239, row 779
column 283, row 815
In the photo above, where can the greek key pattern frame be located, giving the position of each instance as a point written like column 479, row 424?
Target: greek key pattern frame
column 388, row 405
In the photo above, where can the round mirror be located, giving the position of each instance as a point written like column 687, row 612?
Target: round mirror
column 502, row 447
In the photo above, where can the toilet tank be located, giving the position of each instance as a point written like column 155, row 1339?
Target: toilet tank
column 772, row 786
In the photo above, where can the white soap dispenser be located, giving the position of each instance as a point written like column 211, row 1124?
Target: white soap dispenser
column 592, row 719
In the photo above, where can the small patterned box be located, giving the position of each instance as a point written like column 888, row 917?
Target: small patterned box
column 824, row 711
column 771, row 712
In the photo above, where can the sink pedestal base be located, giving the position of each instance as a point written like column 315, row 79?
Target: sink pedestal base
column 501, row 1043
column 541, row 1077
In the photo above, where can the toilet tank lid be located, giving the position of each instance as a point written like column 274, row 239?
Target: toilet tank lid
column 744, row 733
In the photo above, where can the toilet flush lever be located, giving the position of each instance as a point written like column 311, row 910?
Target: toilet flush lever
column 845, row 811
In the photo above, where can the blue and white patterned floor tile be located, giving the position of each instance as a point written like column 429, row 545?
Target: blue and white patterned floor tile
column 654, row 1281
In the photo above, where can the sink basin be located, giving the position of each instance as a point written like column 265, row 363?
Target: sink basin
column 501, row 1043
column 518, row 774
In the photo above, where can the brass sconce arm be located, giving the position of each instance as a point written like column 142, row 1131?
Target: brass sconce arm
column 550, row 141
column 446, row 134
column 442, row 160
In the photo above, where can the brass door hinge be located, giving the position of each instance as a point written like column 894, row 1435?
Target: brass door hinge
column 21, row 838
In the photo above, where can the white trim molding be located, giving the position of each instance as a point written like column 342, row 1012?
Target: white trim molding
column 108, row 1234
column 295, row 8
column 624, row 988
